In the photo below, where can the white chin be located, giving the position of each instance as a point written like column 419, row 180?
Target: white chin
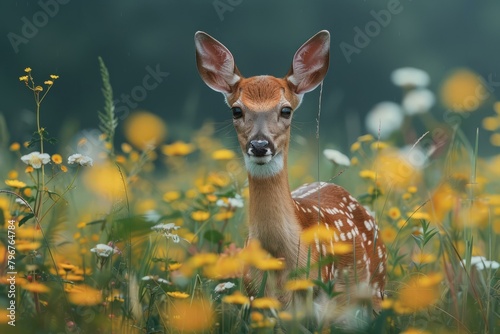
column 266, row 166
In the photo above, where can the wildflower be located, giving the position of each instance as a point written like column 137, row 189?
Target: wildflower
column 423, row 258
column 64, row 169
column 156, row 279
column 379, row 145
column 337, row 157
column 411, row 330
column 463, row 91
column 178, row 294
column 24, row 78
column 57, row 159
column 48, row 82
column 28, row 246
column 80, row 159
column 223, row 154
column 36, row 287
column 388, row 234
column 355, row 146
column 54, row 77
column 84, row 295
column 481, row 263
column 354, row 161
column 412, row 189
column 191, row 316
column 419, row 293
column 103, row 250
column 38, row 89
column 231, row 202
column 223, row 287
column 285, row 316
column 144, row 129
column 384, row 119
column 418, row 215
column 236, row 298
column 36, row 159
column 266, row 303
column 27, row 69
column 223, row 216
column 174, row 266
column 177, row 149
column 365, row 138
column 269, row 263
column 166, row 230
column 15, row 147
column 15, row 183
column 409, row 77
column 495, row 139
column 317, row 233
column 298, row 284
column 368, row 174
column 200, row 216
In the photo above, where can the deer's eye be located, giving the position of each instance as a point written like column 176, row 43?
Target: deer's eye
column 237, row 112
column 286, row 112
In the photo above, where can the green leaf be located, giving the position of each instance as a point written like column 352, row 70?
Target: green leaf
column 213, row 236
column 26, row 218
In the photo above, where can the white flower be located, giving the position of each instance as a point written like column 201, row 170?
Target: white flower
column 222, row 287
column 80, row 159
column 155, row 278
column 103, row 250
column 166, row 230
column 418, row 101
column 235, row 202
column 337, row 157
column 481, row 263
column 385, row 117
column 36, row 159
column 410, row 77
column 152, row 216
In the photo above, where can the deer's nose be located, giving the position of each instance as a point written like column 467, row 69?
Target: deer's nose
column 259, row 148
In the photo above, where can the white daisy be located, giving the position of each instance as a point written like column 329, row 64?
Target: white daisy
column 36, row 159
column 80, row 159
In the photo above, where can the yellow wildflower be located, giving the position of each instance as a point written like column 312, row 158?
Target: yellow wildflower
column 368, row 174
column 423, row 258
column 495, row 139
column 285, row 316
column 38, row 89
column 48, row 82
column 355, row 147
column 27, row 69
column 27, row 192
column 365, row 138
column 15, row 146
column 15, row 183
column 394, row 213
column 23, row 78
column 388, row 234
column 266, row 303
column 256, row 316
column 354, row 161
column 340, row 248
column 379, row 145
column 412, row 189
column 319, row 233
column 415, row 331
column 269, row 263
column 462, row 91
column 57, row 159
column 54, row 77
column 178, row 294
column 418, row 294
column 178, row 148
column 223, row 154
column 84, row 295
column 174, row 266
column 225, row 215
column 171, row 196
column 126, row 148
column 299, row 284
column 36, row 287
column 190, row 316
column 143, row 129
column 418, row 215
column 64, row 168
column 28, row 246
column 236, row 298
column 200, row 216
column 386, row 304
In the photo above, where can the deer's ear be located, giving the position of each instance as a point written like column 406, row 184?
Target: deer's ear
column 215, row 63
column 310, row 63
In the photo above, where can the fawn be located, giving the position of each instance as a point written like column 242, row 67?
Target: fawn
column 262, row 108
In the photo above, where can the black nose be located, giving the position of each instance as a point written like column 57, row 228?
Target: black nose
column 259, row 147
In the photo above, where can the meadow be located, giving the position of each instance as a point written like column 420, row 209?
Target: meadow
column 147, row 235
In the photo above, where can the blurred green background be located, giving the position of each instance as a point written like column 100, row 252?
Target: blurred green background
column 66, row 37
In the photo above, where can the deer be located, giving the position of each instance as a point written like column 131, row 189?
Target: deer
column 262, row 110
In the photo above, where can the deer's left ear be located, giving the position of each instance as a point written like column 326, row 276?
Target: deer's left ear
column 310, row 63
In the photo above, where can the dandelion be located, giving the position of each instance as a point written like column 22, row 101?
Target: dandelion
column 388, row 234
column 166, row 230
column 38, row 89
column 317, row 233
column 409, row 77
column 337, row 157
column 80, row 159
column 174, row 266
column 223, row 287
column 177, row 149
column 355, row 146
column 384, row 119
column 419, row 293
column 236, row 298
column 15, row 183
column 178, row 294
column 36, row 159
column 24, row 78
column 394, row 213
column 223, row 154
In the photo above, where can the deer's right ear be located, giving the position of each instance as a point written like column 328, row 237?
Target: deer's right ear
column 215, row 63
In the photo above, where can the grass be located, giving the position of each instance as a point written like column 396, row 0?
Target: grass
column 147, row 237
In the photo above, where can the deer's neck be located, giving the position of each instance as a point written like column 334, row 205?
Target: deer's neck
column 272, row 216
